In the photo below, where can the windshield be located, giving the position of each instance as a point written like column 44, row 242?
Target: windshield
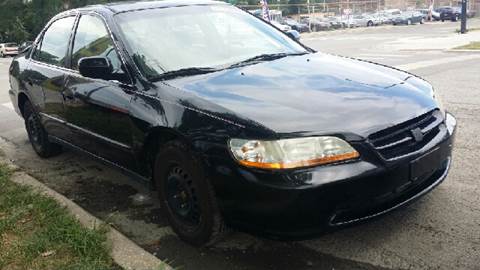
column 170, row 39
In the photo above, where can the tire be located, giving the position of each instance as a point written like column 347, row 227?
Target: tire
column 37, row 135
column 409, row 22
column 186, row 196
column 370, row 23
column 422, row 21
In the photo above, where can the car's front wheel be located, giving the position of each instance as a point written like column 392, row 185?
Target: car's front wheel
column 37, row 135
column 186, row 195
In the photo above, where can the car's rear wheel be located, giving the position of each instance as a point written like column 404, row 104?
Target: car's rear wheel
column 370, row 23
column 186, row 196
column 37, row 135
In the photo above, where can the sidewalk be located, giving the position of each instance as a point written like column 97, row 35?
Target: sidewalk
column 441, row 43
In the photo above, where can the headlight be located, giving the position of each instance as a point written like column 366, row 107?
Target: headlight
column 438, row 99
column 291, row 153
column 450, row 122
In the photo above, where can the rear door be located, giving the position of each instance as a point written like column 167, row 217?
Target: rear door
column 46, row 73
column 97, row 110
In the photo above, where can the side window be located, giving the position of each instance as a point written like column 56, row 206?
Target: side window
column 92, row 39
column 54, row 45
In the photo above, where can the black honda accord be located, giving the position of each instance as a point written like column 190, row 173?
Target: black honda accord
column 231, row 121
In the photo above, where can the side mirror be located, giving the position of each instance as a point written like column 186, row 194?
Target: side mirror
column 96, row 67
column 25, row 49
column 293, row 34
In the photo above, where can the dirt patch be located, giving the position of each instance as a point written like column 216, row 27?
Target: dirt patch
column 102, row 196
column 153, row 216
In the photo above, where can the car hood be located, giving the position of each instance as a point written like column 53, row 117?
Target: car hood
column 314, row 94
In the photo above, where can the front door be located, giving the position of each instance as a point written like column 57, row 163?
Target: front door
column 97, row 111
column 46, row 76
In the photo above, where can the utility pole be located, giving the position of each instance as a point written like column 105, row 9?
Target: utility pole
column 463, row 26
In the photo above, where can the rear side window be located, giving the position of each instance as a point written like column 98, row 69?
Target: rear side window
column 92, row 39
column 54, row 45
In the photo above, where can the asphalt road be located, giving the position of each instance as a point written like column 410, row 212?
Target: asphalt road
column 440, row 231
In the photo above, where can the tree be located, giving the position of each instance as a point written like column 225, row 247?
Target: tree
column 19, row 33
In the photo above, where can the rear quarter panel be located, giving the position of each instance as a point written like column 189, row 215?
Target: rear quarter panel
column 16, row 75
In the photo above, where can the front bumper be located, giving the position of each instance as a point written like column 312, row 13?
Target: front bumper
column 10, row 53
column 299, row 204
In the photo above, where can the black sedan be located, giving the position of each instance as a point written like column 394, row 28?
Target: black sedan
column 449, row 13
column 229, row 119
column 297, row 26
column 408, row 18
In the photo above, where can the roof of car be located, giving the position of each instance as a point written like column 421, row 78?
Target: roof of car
column 118, row 7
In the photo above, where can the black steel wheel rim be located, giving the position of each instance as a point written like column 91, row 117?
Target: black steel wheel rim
column 34, row 131
column 181, row 196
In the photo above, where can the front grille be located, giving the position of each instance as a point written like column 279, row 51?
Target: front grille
column 405, row 138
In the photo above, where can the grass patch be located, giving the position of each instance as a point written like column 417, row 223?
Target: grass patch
column 472, row 46
column 37, row 233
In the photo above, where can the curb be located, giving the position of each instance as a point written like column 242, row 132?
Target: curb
column 124, row 251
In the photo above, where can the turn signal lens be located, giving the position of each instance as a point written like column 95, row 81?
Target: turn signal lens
column 291, row 153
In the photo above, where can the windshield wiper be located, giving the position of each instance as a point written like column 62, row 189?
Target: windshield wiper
column 264, row 57
column 183, row 72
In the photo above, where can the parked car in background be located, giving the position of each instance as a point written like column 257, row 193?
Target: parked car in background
column 391, row 15
column 425, row 11
column 471, row 13
column 372, row 20
column 408, row 18
column 8, row 49
column 349, row 21
column 392, row 12
column 269, row 137
column 458, row 12
column 381, row 17
column 448, row 13
column 386, row 18
column 281, row 26
column 335, row 22
column 364, row 20
column 316, row 24
column 294, row 34
column 297, row 26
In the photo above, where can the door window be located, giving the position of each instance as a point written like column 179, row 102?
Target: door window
column 92, row 39
column 54, row 45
